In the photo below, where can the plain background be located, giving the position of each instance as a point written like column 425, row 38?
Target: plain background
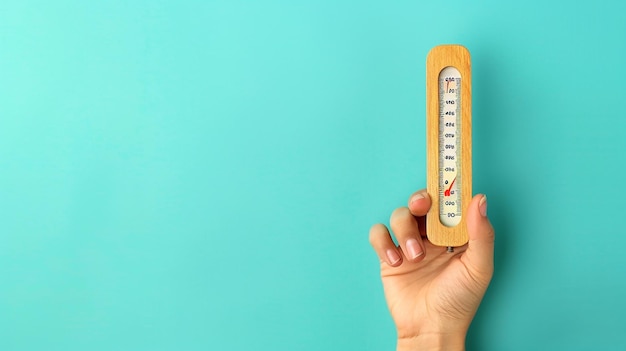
column 179, row 175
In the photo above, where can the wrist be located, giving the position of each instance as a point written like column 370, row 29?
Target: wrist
column 432, row 342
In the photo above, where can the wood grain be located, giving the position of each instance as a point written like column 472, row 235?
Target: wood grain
column 439, row 58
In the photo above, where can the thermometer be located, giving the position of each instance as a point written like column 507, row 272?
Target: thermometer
column 448, row 143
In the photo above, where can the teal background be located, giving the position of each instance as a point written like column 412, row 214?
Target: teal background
column 179, row 175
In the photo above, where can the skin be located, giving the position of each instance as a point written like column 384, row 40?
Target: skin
column 433, row 295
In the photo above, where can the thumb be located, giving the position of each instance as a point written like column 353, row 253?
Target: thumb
column 481, row 237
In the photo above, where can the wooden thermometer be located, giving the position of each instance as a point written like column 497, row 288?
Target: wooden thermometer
column 449, row 143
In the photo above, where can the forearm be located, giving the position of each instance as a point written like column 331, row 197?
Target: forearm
column 433, row 342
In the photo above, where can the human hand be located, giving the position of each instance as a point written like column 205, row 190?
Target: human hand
column 432, row 294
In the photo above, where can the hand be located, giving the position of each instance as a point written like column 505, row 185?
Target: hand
column 432, row 294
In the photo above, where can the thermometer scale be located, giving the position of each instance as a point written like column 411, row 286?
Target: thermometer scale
column 449, row 143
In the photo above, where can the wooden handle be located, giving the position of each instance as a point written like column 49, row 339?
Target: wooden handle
column 439, row 58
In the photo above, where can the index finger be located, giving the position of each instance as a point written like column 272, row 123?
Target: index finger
column 419, row 203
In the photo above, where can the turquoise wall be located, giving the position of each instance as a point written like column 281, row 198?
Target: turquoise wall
column 180, row 175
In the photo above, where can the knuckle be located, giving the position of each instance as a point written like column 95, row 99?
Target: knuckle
column 375, row 233
column 490, row 235
column 399, row 213
column 399, row 217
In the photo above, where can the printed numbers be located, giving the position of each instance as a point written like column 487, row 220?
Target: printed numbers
column 449, row 124
column 449, row 147
column 449, row 157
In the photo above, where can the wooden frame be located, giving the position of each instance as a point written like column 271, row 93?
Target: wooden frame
column 439, row 58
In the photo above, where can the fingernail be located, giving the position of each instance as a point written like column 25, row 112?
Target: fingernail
column 482, row 206
column 414, row 249
column 416, row 197
column 393, row 256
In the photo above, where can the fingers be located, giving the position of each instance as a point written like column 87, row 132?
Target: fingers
column 405, row 228
column 481, row 237
column 419, row 203
column 384, row 246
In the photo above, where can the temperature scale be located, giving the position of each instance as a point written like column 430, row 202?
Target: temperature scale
column 449, row 143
